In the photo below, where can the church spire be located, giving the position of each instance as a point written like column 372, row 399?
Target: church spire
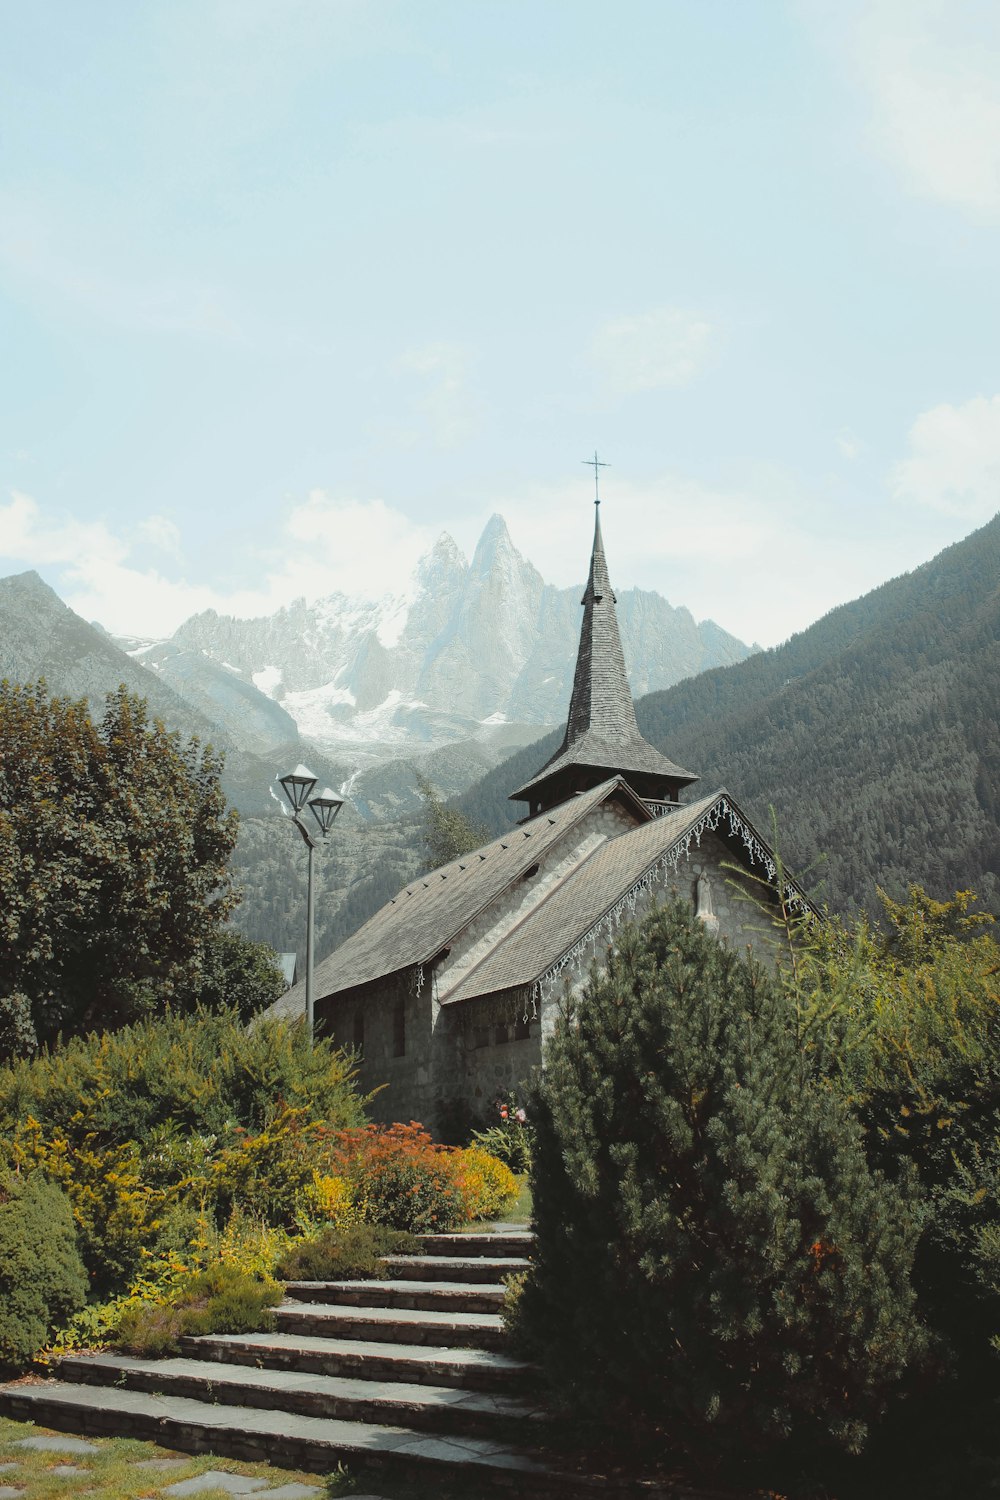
column 602, row 736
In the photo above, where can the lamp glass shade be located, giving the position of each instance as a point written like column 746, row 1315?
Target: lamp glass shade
column 325, row 808
column 297, row 785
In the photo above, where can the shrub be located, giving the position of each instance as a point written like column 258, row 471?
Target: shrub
column 199, row 1074
column 509, row 1137
column 162, row 1123
column 222, row 1299
column 42, row 1280
column 401, row 1177
column 350, row 1254
column 709, row 1235
column 487, row 1184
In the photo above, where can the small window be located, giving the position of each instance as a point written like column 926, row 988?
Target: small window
column 502, row 1033
column 399, row 1029
column 522, row 1029
column 530, row 872
column 481, row 1036
column 359, row 1031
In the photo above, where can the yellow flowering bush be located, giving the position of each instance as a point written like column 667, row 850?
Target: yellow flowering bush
column 487, row 1184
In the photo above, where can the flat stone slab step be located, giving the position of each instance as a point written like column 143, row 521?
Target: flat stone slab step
column 296, row 1442
column 393, row 1325
column 401, row 1404
column 474, row 1268
column 473, row 1369
column 427, row 1296
column 515, row 1242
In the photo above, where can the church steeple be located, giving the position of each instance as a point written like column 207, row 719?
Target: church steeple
column 602, row 737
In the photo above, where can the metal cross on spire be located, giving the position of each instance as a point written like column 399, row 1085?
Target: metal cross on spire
column 595, row 464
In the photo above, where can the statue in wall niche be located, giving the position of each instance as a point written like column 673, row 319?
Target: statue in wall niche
column 704, row 909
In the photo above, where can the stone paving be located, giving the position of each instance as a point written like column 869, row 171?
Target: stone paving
column 225, row 1480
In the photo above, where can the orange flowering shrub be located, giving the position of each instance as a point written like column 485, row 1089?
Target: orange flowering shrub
column 403, row 1178
column 400, row 1177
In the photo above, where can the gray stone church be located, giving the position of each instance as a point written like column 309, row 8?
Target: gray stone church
column 450, row 990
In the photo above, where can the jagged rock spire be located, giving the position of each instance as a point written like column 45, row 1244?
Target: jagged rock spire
column 602, row 737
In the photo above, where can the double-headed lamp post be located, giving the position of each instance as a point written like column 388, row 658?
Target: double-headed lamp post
column 297, row 787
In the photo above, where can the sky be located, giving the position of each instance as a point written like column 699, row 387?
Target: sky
column 289, row 287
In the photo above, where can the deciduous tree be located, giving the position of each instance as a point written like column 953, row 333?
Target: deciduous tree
column 114, row 849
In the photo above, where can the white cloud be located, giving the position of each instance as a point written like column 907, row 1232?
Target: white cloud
column 445, row 408
column 954, row 460
column 162, row 533
column 360, row 548
column 763, row 558
column 665, row 347
column 933, row 73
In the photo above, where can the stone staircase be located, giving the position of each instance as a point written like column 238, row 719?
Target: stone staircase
column 404, row 1377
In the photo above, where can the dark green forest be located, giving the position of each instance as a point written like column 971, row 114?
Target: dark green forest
column 874, row 735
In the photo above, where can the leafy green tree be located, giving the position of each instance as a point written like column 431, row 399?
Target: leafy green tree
column 237, row 972
column 448, row 833
column 114, row 848
column 715, row 1260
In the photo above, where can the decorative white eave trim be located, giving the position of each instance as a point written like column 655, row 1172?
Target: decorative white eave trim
column 603, row 930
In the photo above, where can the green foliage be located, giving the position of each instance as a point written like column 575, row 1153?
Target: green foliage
column 114, row 843
column 198, row 1074
column 150, row 1127
column 352, row 1253
column 448, row 833
column 710, row 1237
column 509, row 1137
column 239, row 974
column 918, row 1020
column 222, row 1299
column 42, row 1280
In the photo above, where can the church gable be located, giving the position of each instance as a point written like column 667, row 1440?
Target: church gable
column 422, row 924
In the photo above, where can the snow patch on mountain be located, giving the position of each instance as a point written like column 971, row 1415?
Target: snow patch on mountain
column 469, row 648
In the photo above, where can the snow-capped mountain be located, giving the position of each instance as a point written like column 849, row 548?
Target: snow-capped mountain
column 473, row 650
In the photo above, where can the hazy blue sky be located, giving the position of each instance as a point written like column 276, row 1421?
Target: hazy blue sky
column 287, row 287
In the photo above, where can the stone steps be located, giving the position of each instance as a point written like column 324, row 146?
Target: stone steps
column 465, row 1268
column 515, row 1242
column 409, row 1295
column 450, row 1409
column 392, row 1325
column 396, row 1377
column 472, row 1369
column 278, row 1436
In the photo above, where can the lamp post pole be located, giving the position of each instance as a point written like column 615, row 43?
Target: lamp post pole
column 297, row 786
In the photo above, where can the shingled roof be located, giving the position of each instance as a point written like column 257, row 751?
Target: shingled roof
column 578, row 903
column 602, row 736
column 429, row 913
column 598, row 885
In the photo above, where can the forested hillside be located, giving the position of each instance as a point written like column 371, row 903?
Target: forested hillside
column 874, row 734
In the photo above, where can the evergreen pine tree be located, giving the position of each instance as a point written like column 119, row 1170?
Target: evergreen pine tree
column 714, row 1258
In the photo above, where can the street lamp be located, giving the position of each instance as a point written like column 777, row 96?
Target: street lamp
column 297, row 786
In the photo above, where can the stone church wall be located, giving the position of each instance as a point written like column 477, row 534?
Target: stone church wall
column 445, row 1066
column 389, row 1023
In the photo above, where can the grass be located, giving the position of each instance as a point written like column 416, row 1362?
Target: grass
column 112, row 1472
column 518, row 1212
